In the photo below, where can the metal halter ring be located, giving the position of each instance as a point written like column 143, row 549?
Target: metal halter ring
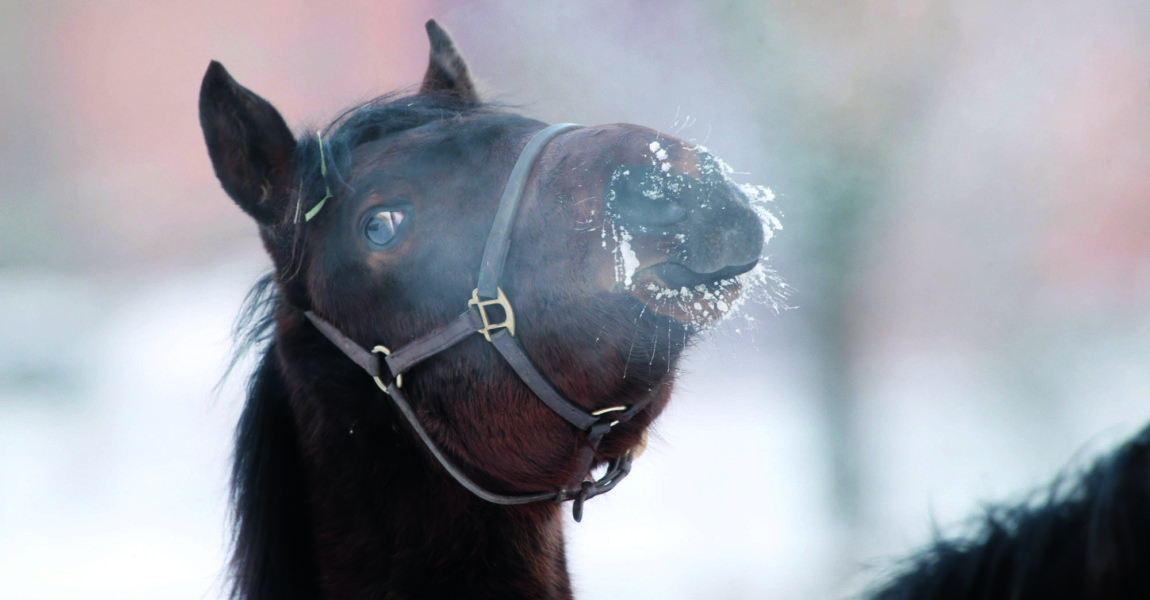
column 398, row 378
column 508, row 314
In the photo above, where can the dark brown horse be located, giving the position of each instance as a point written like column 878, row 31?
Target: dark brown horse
column 388, row 447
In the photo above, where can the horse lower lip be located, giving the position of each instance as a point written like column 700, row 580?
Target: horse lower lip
column 676, row 275
column 696, row 306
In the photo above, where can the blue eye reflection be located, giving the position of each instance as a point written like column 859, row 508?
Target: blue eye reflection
column 381, row 228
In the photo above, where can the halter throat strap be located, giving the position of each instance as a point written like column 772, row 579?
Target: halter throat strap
column 387, row 367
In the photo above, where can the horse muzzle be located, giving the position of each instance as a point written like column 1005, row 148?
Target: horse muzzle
column 684, row 232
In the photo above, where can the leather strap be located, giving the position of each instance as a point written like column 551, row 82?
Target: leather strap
column 617, row 469
column 401, row 403
column 363, row 358
column 495, row 252
column 435, row 342
column 399, row 361
column 513, row 353
column 464, row 325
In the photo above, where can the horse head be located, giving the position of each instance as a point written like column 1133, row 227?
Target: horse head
column 626, row 242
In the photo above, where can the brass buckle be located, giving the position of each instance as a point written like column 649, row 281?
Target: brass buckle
column 604, row 411
column 509, row 318
column 398, row 378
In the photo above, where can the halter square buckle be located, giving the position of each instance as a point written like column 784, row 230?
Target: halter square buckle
column 509, row 315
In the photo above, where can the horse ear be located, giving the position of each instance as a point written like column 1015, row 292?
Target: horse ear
column 447, row 74
column 250, row 145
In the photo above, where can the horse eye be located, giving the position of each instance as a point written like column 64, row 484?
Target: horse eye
column 381, row 227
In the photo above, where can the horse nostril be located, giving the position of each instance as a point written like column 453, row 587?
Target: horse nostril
column 646, row 197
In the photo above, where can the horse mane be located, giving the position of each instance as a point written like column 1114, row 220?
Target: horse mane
column 270, row 555
column 1085, row 536
column 267, row 507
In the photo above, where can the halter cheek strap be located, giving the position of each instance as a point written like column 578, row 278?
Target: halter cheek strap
column 387, row 367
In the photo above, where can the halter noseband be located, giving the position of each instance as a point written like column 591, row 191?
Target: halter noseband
column 387, row 367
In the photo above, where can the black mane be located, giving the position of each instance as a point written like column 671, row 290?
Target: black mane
column 1087, row 536
column 270, row 555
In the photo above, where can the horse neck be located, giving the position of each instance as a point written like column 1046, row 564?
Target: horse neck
column 383, row 518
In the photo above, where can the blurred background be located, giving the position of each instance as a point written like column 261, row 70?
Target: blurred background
column 965, row 191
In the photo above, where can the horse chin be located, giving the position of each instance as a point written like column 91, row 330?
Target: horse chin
column 697, row 306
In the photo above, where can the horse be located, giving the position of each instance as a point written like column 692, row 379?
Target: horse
column 1087, row 536
column 472, row 319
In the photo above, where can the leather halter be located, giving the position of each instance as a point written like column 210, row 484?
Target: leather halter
column 387, row 367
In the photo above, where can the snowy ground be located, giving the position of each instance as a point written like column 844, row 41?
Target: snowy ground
column 113, row 454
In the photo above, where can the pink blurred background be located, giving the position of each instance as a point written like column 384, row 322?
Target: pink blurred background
column 966, row 194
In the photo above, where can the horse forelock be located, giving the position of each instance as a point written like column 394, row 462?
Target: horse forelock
column 369, row 121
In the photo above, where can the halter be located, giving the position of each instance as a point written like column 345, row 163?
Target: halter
column 387, row 367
